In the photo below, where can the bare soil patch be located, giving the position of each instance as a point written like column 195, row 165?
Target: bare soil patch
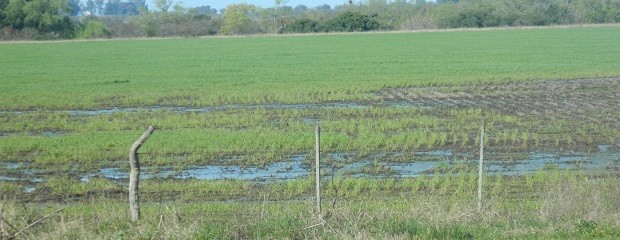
column 589, row 100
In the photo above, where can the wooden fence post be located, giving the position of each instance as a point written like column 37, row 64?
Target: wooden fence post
column 134, row 175
column 3, row 232
column 318, row 170
column 480, row 168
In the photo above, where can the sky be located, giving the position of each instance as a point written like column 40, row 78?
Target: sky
column 219, row 4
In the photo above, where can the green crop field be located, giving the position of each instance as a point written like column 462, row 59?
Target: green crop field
column 70, row 110
column 315, row 68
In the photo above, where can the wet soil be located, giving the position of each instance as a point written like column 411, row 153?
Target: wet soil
column 346, row 164
column 587, row 100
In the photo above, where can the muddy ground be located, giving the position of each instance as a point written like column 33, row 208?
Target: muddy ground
column 587, row 100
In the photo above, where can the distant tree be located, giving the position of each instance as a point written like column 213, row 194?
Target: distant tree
column 129, row 7
column 3, row 4
column 140, row 4
column 205, row 10
column 597, row 11
column 92, row 28
column 420, row 2
column 90, row 7
column 44, row 13
column 99, row 5
column 300, row 10
column 351, row 22
column 280, row 18
column 391, row 14
column 447, row 1
column 237, row 19
column 163, row 5
column 323, row 8
column 14, row 14
column 280, row 3
column 74, row 6
column 473, row 16
column 303, row 25
column 46, row 16
column 118, row 7
column 180, row 21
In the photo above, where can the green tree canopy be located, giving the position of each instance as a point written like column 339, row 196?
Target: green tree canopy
column 351, row 22
column 237, row 19
column 43, row 15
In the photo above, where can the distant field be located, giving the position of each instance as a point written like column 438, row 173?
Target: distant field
column 290, row 69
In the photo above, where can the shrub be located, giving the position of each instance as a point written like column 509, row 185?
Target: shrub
column 178, row 24
column 419, row 21
column 471, row 16
column 351, row 22
column 94, row 29
column 303, row 25
column 123, row 26
column 189, row 28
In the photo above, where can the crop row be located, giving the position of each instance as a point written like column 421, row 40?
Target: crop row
column 350, row 121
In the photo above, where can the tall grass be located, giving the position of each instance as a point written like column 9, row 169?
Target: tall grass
column 562, row 205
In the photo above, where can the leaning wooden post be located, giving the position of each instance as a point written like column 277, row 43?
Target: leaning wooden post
column 134, row 176
column 480, row 168
column 317, row 170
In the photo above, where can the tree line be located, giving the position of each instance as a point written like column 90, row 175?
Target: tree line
column 66, row 19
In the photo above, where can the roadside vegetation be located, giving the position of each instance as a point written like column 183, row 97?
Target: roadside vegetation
column 547, row 204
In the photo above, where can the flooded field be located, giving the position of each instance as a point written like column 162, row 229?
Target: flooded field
column 568, row 97
column 406, row 132
column 443, row 162
column 218, row 108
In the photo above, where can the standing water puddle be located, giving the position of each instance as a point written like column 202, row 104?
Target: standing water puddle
column 347, row 164
column 276, row 171
column 219, row 108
